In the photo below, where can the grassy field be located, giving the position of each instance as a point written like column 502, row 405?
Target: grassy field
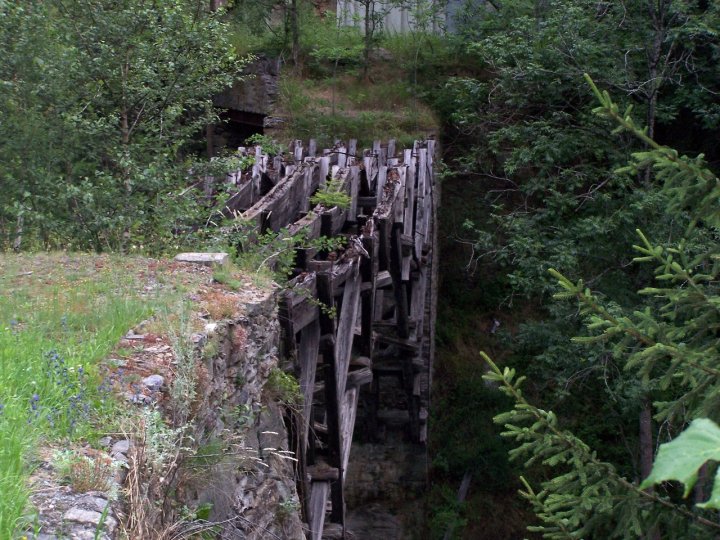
column 60, row 315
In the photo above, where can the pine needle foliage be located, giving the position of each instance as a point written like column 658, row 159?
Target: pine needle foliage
column 668, row 344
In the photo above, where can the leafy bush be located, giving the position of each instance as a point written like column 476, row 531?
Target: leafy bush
column 99, row 158
column 331, row 194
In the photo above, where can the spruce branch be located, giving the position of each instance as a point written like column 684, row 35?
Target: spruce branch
column 547, row 422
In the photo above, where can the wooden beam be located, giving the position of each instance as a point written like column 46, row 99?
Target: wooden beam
column 349, row 411
column 322, row 472
column 307, row 358
column 332, row 396
column 346, row 327
column 399, row 288
column 318, row 497
column 407, row 344
column 284, row 201
column 359, row 377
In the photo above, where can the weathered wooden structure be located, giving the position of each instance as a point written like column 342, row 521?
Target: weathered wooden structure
column 355, row 316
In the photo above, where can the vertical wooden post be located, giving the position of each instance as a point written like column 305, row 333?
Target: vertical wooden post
column 332, row 399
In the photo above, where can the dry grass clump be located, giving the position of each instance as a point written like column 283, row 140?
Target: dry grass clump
column 220, row 305
column 83, row 472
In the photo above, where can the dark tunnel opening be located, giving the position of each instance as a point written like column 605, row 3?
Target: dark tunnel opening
column 233, row 130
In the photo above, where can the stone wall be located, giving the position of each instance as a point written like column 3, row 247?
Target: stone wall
column 235, row 474
column 251, row 488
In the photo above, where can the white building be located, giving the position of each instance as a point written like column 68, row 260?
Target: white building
column 404, row 16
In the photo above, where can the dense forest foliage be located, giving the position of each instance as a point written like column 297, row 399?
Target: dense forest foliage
column 628, row 364
column 581, row 244
column 101, row 102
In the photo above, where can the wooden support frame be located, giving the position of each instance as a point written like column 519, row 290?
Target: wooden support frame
column 364, row 304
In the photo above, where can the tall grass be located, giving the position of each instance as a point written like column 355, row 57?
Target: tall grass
column 56, row 324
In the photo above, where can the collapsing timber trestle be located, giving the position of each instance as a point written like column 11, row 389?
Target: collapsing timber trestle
column 357, row 314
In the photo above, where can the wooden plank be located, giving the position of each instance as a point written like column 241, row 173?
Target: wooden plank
column 409, row 218
column 379, row 308
column 349, row 412
column 400, row 201
column 352, row 151
column 417, row 302
column 323, row 169
column 284, row 201
column 386, row 205
column 310, row 223
column 381, row 180
column 309, row 185
column 361, row 361
column 383, row 279
column 409, row 345
column 399, row 289
column 241, row 200
column 318, row 497
column 377, row 153
column 286, row 324
column 342, row 271
column 256, row 174
column 359, row 377
column 422, row 208
column 368, row 271
column 405, row 271
column 303, row 313
column 372, row 172
column 332, row 397
column 342, row 156
column 307, row 358
column 353, row 188
column 346, row 327
column 322, row 472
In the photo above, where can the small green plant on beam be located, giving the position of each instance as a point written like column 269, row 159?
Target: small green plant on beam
column 332, row 194
column 329, row 311
column 276, row 251
column 267, row 144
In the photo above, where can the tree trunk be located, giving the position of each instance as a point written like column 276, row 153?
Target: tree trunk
column 657, row 14
column 647, row 453
column 646, row 439
column 295, row 35
column 369, row 32
column 18, row 232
